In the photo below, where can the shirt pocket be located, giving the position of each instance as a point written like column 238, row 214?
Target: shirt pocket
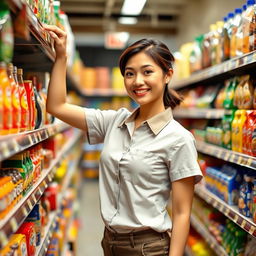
column 137, row 166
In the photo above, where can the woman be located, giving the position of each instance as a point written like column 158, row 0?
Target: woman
column 146, row 153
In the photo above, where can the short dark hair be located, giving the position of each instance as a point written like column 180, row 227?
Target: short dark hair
column 162, row 56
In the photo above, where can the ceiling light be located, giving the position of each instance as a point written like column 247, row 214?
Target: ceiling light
column 133, row 7
column 127, row 20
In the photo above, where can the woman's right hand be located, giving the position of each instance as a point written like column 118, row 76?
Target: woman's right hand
column 60, row 40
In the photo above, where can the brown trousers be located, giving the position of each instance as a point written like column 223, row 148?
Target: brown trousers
column 142, row 243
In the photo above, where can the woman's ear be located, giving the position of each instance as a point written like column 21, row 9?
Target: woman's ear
column 168, row 75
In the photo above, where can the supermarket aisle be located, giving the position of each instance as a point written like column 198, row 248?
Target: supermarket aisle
column 91, row 231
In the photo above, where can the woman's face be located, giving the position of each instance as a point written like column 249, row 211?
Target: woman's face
column 144, row 80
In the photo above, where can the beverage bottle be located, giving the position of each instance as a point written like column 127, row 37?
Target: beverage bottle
column 16, row 109
column 226, row 41
column 251, row 117
column 234, row 130
column 1, row 103
column 31, row 103
column 248, row 16
column 7, row 105
column 206, row 49
column 219, row 47
column 23, row 102
column 239, row 34
column 237, row 21
column 240, row 125
column 230, row 30
column 214, row 43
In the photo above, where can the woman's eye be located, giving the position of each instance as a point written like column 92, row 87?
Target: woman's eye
column 148, row 72
column 128, row 74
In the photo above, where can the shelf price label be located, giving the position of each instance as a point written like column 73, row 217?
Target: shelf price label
column 14, row 224
column 3, row 238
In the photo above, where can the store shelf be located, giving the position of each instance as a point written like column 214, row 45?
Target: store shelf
column 222, row 71
column 17, row 215
column 13, row 144
column 42, row 249
column 227, row 155
column 231, row 212
column 203, row 231
column 197, row 113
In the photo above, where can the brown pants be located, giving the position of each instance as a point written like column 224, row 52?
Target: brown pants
column 141, row 243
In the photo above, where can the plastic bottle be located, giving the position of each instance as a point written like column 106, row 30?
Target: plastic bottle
column 236, row 23
column 246, row 25
column 214, row 42
column 251, row 118
column 23, row 102
column 16, row 109
column 230, row 92
column 206, row 51
column 7, row 105
column 240, row 125
column 247, row 97
column 31, row 103
column 230, row 29
column 226, row 41
column 239, row 34
column 234, row 130
column 219, row 47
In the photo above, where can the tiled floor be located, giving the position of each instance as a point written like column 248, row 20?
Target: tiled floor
column 91, row 231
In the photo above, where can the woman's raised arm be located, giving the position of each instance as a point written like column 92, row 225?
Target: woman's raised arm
column 56, row 98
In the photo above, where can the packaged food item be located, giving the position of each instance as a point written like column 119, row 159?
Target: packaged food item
column 28, row 229
column 35, row 217
column 254, row 98
column 253, row 140
column 195, row 58
column 226, row 39
column 239, row 92
column 247, row 132
column 15, row 95
column 7, row 105
column 16, row 246
column 218, row 103
column 254, row 201
column 245, row 196
column 230, row 92
column 51, row 194
column 227, row 130
column 220, row 40
column 248, row 89
column 239, row 34
column 6, row 34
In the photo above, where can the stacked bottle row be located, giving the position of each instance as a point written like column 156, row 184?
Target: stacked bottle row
column 232, row 37
column 236, row 130
column 22, row 102
column 20, row 172
column 232, row 238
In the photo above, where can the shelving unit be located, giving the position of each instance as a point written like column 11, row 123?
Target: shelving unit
column 203, row 231
column 41, row 250
column 231, row 212
column 227, row 155
column 17, row 215
column 197, row 113
column 13, row 144
column 218, row 72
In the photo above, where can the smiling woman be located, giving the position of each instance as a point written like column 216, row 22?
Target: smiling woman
column 146, row 154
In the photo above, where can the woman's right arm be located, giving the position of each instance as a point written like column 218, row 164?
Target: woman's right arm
column 56, row 98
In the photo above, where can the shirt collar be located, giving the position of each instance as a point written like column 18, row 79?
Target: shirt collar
column 155, row 123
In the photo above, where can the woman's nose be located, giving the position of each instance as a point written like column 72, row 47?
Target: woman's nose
column 139, row 79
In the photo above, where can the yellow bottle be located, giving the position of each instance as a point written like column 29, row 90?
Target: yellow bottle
column 240, row 125
column 234, row 130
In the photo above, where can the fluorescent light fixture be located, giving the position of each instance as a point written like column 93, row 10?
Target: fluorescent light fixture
column 132, row 7
column 127, row 20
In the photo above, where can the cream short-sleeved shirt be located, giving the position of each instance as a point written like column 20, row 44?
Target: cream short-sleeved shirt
column 138, row 167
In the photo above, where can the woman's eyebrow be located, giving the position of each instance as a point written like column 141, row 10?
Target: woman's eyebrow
column 144, row 66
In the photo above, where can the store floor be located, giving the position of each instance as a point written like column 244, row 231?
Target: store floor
column 91, row 230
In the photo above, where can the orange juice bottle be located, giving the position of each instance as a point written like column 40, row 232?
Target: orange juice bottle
column 16, row 109
column 240, row 125
column 251, row 115
column 23, row 102
column 248, row 16
column 7, row 106
column 234, row 130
